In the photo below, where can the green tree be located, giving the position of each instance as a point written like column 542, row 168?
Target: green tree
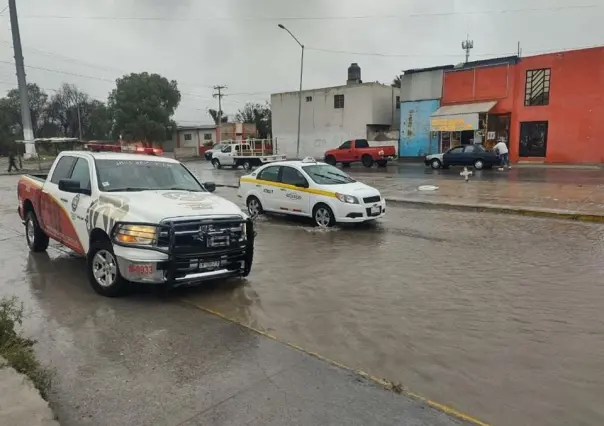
column 62, row 111
column 214, row 114
column 37, row 104
column 142, row 107
column 259, row 114
column 396, row 82
column 98, row 122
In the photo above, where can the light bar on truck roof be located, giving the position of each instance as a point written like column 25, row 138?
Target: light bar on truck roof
column 126, row 149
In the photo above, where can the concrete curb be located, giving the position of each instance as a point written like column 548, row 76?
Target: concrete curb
column 20, row 402
column 523, row 211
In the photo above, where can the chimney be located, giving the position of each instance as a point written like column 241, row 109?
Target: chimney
column 354, row 74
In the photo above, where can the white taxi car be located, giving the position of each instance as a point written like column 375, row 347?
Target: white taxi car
column 313, row 189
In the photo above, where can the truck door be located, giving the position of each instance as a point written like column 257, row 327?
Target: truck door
column 359, row 144
column 294, row 198
column 52, row 208
column 78, row 205
column 345, row 154
column 226, row 155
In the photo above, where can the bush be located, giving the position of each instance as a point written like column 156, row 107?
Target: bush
column 16, row 349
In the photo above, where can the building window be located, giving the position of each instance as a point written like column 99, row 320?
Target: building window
column 537, row 87
column 207, row 136
column 533, row 139
column 398, row 102
column 188, row 136
column 338, row 101
column 309, row 99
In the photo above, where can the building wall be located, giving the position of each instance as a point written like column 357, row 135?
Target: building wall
column 421, row 86
column 415, row 136
column 481, row 84
column 198, row 137
column 575, row 113
column 324, row 127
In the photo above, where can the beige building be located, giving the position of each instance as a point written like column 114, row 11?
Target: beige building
column 332, row 115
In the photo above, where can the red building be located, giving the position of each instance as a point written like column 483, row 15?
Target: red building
column 548, row 108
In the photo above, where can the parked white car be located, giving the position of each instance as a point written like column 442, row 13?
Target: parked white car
column 312, row 189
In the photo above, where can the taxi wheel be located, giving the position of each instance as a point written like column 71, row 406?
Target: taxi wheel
column 216, row 163
column 254, row 207
column 323, row 216
column 103, row 272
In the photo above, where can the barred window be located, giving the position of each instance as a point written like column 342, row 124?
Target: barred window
column 537, row 87
column 338, row 101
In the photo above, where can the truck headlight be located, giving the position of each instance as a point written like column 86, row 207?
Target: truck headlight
column 349, row 199
column 136, row 234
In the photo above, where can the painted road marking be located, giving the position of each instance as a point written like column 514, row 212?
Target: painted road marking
column 384, row 383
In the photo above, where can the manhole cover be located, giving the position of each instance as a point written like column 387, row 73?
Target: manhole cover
column 427, row 188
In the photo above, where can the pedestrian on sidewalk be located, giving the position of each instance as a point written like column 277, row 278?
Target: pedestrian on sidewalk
column 504, row 154
column 11, row 162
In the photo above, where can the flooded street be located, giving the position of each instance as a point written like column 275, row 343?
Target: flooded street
column 498, row 316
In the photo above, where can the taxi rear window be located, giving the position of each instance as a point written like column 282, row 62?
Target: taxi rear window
column 324, row 174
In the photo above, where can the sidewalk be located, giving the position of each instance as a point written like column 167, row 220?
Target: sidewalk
column 20, row 403
column 577, row 201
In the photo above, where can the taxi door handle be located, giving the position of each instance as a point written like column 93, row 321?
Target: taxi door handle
column 283, row 189
column 64, row 200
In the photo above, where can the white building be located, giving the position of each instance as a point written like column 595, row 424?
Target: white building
column 333, row 115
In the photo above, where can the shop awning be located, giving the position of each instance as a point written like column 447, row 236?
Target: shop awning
column 456, row 118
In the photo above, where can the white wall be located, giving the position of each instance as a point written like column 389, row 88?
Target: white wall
column 422, row 85
column 324, row 127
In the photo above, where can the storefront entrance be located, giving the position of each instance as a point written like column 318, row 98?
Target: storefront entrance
column 533, row 139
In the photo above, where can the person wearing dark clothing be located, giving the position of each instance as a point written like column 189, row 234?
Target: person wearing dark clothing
column 11, row 162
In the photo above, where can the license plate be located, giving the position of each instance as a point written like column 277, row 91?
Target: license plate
column 376, row 210
column 209, row 265
column 141, row 269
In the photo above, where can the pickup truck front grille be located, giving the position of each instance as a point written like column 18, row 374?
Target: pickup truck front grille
column 375, row 199
column 199, row 245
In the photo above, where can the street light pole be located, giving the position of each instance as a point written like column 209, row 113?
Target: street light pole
column 300, row 91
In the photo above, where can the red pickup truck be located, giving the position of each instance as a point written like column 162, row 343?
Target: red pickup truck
column 359, row 150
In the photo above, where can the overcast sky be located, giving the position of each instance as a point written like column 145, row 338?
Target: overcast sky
column 237, row 43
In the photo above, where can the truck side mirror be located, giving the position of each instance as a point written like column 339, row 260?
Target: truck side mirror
column 73, row 186
column 210, row 186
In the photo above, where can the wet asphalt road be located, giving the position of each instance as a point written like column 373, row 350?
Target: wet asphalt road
column 499, row 316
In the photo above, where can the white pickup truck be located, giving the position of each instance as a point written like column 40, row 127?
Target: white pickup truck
column 243, row 154
column 137, row 218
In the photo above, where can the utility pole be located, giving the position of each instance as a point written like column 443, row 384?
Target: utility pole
column 519, row 50
column 467, row 45
column 28, row 133
column 219, row 95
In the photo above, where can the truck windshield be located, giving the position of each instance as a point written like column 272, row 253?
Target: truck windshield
column 142, row 175
column 324, row 174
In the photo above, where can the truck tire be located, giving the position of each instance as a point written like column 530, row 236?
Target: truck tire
column 249, row 251
column 37, row 240
column 103, row 271
column 247, row 165
column 382, row 163
column 367, row 160
column 331, row 160
column 216, row 163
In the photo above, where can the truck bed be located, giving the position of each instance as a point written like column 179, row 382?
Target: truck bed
column 35, row 176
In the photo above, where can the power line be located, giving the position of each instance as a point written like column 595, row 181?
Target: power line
column 310, row 18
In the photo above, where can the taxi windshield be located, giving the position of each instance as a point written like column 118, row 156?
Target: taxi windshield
column 142, row 175
column 324, row 174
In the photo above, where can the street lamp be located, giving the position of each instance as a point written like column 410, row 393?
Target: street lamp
column 300, row 92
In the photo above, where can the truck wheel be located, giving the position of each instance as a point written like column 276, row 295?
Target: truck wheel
column 254, row 207
column 247, row 165
column 103, row 272
column 367, row 160
column 249, row 251
column 382, row 163
column 37, row 240
column 323, row 216
column 331, row 160
column 216, row 163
